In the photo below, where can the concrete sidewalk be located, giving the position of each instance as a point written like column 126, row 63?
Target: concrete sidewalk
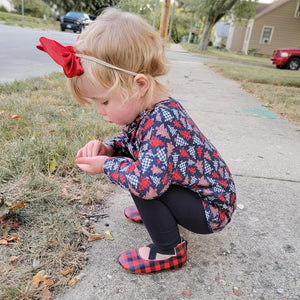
column 254, row 257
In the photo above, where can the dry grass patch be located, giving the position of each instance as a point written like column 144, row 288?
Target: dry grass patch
column 41, row 130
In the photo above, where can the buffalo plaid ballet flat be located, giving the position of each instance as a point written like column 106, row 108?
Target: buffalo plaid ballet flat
column 131, row 261
column 132, row 214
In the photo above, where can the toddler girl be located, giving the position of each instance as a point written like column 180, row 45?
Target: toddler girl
column 173, row 172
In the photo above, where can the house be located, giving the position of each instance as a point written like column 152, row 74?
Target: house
column 220, row 34
column 276, row 25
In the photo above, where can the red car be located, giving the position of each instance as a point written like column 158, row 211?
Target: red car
column 286, row 58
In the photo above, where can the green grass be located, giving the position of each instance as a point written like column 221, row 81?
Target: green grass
column 224, row 54
column 16, row 20
column 38, row 148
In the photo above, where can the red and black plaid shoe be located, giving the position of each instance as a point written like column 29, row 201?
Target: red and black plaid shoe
column 132, row 214
column 131, row 261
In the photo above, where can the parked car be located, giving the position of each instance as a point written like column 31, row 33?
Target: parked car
column 286, row 58
column 74, row 21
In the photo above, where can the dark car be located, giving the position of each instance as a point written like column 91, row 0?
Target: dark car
column 75, row 21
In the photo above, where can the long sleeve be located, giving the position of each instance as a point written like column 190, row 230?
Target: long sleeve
column 118, row 145
column 147, row 176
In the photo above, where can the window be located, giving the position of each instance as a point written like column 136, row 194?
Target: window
column 297, row 14
column 266, row 35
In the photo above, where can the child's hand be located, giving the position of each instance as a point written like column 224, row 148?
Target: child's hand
column 95, row 148
column 92, row 165
column 92, row 156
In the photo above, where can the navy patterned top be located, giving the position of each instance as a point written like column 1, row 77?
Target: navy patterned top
column 163, row 146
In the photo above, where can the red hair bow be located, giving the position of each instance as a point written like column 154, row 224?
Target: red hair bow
column 63, row 55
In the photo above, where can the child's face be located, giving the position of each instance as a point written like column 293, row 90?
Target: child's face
column 111, row 106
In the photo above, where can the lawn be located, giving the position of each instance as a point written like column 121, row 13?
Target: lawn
column 16, row 20
column 44, row 198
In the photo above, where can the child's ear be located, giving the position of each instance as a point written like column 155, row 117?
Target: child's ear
column 142, row 83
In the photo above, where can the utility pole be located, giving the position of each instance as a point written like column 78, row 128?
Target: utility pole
column 164, row 20
column 22, row 10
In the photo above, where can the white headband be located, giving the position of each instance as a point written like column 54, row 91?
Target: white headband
column 103, row 63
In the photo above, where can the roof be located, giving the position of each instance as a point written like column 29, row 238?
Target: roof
column 270, row 7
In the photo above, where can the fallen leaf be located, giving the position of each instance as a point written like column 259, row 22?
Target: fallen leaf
column 10, row 238
column 36, row 280
column 52, row 130
column 52, row 166
column 14, row 116
column 53, row 243
column 91, row 236
column 72, row 281
column 13, row 238
column 108, row 235
column 48, row 282
column 13, row 258
column 66, row 271
column 95, row 236
column 46, row 294
column 39, row 277
column 17, row 206
column 237, row 292
column 187, row 292
column 10, row 223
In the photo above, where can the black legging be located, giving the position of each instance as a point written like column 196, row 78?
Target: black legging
column 178, row 205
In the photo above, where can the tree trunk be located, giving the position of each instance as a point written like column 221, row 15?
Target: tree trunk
column 164, row 20
column 208, row 25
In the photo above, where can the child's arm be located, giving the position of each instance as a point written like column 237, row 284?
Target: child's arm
column 119, row 146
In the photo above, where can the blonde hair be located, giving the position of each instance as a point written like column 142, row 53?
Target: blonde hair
column 125, row 41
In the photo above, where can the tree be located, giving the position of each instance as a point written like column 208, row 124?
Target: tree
column 191, row 7
column 144, row 8
column 214, row 10
column 93, row 7
column 33, row 8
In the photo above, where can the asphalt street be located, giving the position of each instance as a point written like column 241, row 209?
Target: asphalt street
column 19, row 58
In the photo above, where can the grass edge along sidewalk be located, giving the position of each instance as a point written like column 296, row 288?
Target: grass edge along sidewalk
column 278, row 90
column 46, row 202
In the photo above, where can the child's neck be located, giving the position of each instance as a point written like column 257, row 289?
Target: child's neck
column 159, row 97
